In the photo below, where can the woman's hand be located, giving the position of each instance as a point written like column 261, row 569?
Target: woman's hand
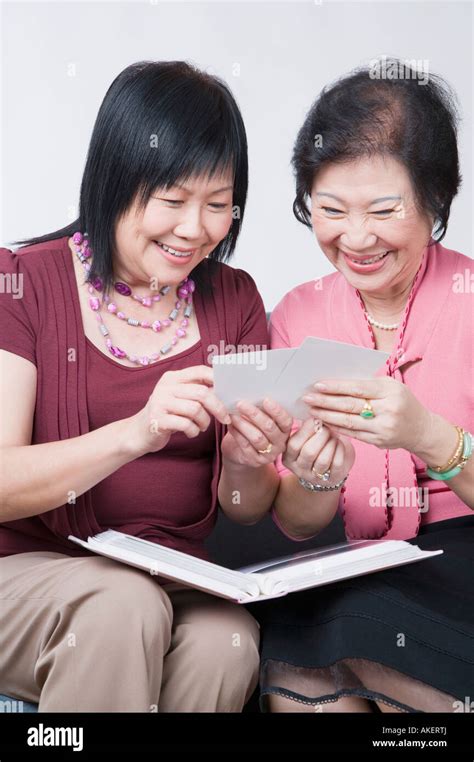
column 182, row 400
column 255, row 430
column 314, row 449
column 400, row 419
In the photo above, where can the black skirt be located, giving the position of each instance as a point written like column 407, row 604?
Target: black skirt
column 414, row 621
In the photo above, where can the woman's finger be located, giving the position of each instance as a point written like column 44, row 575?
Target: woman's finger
column 347, row 421
column 324, row 460
column 257, row 439
column 300, row 437
column 339, row 456
column 259, row 419
column 243, row 442
column 173, row 423
column 362, row 436
column 337, row 403
column 313, row 447
column 189, row 408
column 283, row 420
column 206, row 397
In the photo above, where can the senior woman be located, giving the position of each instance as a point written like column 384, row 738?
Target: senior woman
column 109, row 419
column 377, row 160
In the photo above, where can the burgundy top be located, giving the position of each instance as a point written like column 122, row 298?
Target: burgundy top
column 169, row 496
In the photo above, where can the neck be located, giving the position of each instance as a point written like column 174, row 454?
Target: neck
column 145, row 288
column 387, row 308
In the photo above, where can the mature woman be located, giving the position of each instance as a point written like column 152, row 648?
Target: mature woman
column 109, row 419
column 378, row 161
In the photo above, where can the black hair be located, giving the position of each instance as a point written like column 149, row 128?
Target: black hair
column 160, row 123
column 411, row 117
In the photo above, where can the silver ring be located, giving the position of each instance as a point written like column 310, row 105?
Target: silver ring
column 324, row 477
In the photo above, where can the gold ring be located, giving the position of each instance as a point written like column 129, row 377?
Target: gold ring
column 266, row 450
column 367, row 411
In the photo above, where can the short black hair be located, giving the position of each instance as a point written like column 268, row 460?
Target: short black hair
column 411, row 117
column 160, row 123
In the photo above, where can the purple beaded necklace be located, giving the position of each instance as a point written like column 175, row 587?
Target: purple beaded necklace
column 184, row 300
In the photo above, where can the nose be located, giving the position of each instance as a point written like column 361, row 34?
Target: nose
column 190, row 225
column 356, row 235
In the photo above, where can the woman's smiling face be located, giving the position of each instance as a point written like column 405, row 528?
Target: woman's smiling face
column 191, row 219
column 361, row 210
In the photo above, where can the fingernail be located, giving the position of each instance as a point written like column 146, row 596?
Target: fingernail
column 320, row 386
column 227, row 419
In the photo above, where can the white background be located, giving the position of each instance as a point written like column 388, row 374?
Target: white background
column 276, row 57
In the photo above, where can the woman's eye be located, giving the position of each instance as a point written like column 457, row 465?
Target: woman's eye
column 171, row 200
column 219, row 206
column 383, row 212
column 329, row 210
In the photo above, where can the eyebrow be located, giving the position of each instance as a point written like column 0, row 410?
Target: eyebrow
column 375, row 201
column 221, row 190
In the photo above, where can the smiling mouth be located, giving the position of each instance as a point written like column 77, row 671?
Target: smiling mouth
column 369, row 261
column 174, row 252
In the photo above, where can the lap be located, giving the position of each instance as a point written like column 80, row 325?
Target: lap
column 52, row 578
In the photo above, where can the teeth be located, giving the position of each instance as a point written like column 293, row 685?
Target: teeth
column 369, row 261
column 172, row 251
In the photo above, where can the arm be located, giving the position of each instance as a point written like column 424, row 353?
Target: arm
column 315, row 510
column 401, row 421
column 312, row 449
column 245, row 493
column 37, row 478
column 248, row 481
column 437, row 447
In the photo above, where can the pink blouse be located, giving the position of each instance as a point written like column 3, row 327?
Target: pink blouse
column 435, row 360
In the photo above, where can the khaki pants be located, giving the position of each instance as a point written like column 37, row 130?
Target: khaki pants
column 89, row 634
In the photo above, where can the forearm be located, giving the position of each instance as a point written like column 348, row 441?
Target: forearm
column 302, row 513
column 437, row 447
column 245, row 493
column 38, row 478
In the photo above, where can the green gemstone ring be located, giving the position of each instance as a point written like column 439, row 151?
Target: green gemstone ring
column 367, row 411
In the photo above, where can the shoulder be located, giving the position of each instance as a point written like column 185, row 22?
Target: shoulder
column 452, row 274
column 236, row 305
column 233, row 278
column 34, row 258
column 310, row 295
column 446, row 260
column 234, row 289
column 301, row 310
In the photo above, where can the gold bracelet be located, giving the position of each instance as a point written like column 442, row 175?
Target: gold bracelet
column 452, row 461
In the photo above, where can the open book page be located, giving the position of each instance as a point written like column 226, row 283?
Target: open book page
column 261, row 581
column 321, row 566
column 175, row 565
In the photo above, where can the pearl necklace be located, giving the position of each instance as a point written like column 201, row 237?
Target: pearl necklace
column 383, row 326
column 184, row 294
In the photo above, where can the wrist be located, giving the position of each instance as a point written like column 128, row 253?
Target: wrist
column 232, row 468
column 439, row 441
column 127, row 438
column 321, row 487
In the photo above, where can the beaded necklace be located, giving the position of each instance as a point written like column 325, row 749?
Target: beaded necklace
column 184, row 301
